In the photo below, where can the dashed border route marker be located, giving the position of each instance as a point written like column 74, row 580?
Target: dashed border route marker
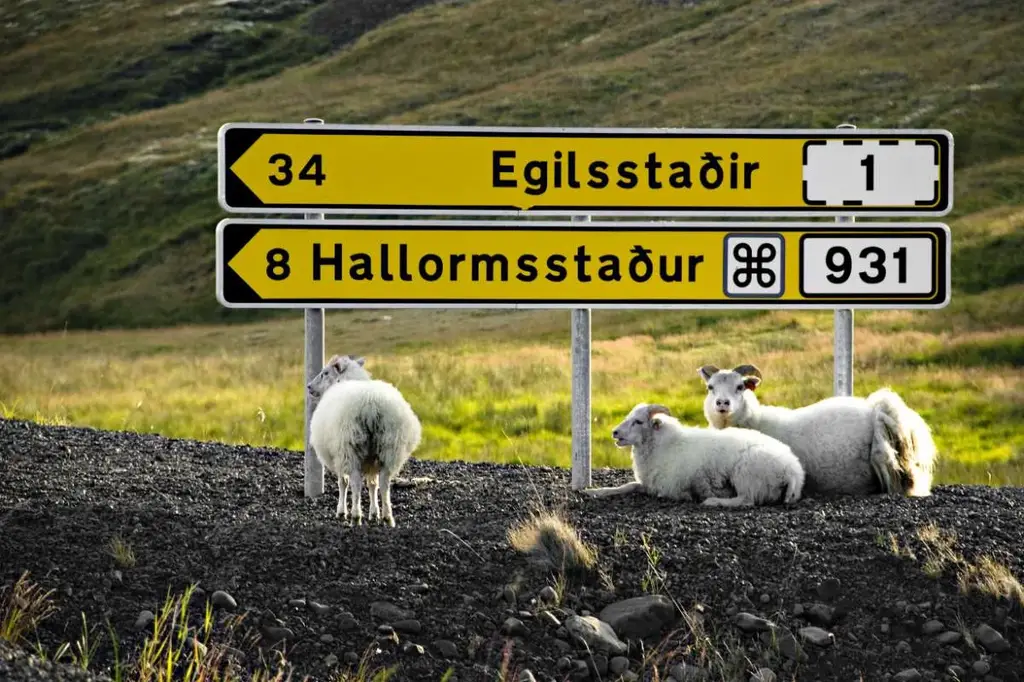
column 461, row 170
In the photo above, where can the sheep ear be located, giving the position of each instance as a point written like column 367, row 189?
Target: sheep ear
column 360, row 361
column 707, row 371
column 335, row 359
column 751, row 383
column 748, row 371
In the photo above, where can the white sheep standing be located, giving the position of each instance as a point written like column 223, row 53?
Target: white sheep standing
column 847, row 445
column 731, row 468
column 361, row 427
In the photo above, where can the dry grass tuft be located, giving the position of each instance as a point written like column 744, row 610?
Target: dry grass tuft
column 121, row 551
column 986, row 575
column 22, row 607
column 993, row 578
column 554, row 542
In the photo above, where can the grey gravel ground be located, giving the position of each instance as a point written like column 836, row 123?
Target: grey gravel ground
column 813, row 592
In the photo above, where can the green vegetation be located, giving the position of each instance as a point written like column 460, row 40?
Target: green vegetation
column 495, row 386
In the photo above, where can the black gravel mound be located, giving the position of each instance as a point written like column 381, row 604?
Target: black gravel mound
column 830, row 589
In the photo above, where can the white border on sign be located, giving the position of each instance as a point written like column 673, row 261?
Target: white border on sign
column 619, row 225
column 824, row 211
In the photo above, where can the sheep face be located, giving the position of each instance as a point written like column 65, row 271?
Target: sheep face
column 638, row 425
column 725, row 401
column 338, row 368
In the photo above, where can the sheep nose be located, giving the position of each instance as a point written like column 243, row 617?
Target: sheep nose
column 615, row 433
column 722, row 402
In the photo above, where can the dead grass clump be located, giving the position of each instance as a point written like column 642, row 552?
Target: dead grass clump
column 22, row 607
column 553, row 542
column 986, row 575
column 993, row 578
column 121, row 551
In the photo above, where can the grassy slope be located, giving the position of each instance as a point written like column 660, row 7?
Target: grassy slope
column 112, row 221
column 135, row 195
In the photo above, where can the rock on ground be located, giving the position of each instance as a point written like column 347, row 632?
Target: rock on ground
column 235, row 520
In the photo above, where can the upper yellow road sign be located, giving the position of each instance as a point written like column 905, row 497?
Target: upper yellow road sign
column 382, row 263
column 285, row 167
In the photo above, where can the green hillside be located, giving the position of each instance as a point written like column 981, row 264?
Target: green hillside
column 109, row 113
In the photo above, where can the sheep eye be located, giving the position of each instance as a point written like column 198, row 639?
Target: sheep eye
column 709, row 388
column 638, row 421
column 740, row 387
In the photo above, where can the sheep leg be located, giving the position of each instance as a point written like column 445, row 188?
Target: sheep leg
column 738, row 501
column 342, row 509
column 624, row 489
column 385, row 486
column 371, row 484
column 356, row 484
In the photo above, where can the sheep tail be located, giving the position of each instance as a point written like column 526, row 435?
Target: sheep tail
column 902, row 450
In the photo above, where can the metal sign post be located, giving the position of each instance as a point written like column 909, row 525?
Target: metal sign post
column 313, row 470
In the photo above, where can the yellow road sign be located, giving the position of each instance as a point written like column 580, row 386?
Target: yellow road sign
column 272, row 168
column 381, row 263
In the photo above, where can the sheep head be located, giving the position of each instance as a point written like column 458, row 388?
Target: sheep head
column 638, row 424
column 726, row 399
column 338, row 368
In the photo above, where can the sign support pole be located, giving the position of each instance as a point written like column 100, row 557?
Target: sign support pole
column 313, row 470
column 581, row 438
column 842, row 332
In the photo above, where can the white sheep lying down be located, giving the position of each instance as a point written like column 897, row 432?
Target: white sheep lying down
column 847, row 445
column 730, row 468
column 361, row 427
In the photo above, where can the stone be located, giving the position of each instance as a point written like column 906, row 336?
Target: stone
column 549, row 619
column 949, row 638
column 908, row 675
column 981, row 667
column 446, row 648
column 817, row 636
column 618, row 665
column 597, row 634
column 820, row 614
column 991, row 639
column 222, row 600
column 144, row 620
column 409, row 627
column 318, row 608
column 548, row 595
column 514, row 628
column 411, row 648
column 932, row 627
column 639, row 617
column 388, row 613
column 748, row 622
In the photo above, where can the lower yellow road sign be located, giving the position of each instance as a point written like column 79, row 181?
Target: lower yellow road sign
column 280, row 263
